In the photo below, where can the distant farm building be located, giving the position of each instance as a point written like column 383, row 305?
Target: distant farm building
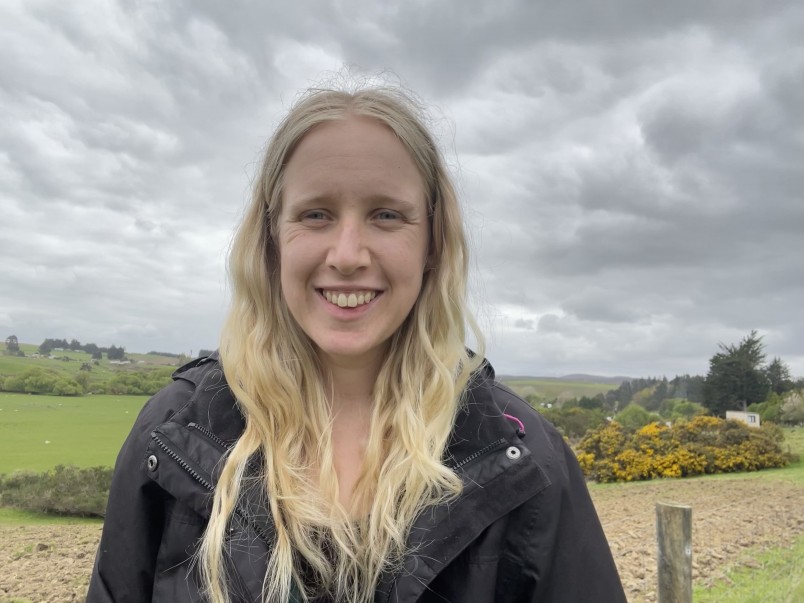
column 749, row 418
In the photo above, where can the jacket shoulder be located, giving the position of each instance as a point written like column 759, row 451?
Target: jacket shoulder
column 580, row 566
column 199, row 392
column 539, row 434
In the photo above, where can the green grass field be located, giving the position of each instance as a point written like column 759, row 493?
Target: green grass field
column 780, row 580
column 101, row 373
column 781, row 577
column 17, row 517
column 551, row 389
column 39, row 432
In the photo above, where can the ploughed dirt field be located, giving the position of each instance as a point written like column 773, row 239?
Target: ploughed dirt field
column 733, row 519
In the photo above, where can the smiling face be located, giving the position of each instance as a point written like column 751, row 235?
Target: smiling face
column 352, row 238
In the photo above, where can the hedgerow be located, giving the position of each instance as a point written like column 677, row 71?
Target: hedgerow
column 41, row 381
column 64, row 491
column 699, row 446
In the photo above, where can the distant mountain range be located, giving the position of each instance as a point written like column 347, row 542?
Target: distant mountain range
column 577, row 377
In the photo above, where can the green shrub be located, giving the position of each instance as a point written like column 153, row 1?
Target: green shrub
column 67, row 387
column 770, row 409
column 32, row 381
column 675, row 409
column 139, row 383
column 635, row 416
column 792, row 411
column 62, row 491
column 574, row 422
column 41, row 381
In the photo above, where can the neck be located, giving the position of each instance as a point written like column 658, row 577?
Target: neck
column 350, row 388
column 350, row 385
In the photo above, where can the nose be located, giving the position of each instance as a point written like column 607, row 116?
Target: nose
column 348, row 252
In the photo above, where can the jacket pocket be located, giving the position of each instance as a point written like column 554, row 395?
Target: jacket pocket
column 182, row 464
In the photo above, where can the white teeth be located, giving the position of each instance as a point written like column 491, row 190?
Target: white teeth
column 349, row 300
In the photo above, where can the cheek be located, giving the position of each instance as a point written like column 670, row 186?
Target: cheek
column 295, row 255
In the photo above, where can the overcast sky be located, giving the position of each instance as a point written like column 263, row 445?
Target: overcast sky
column 632, row 172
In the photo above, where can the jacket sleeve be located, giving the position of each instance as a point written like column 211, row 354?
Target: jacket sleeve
column 132, row 529
column 557, row 550
column 579, row 566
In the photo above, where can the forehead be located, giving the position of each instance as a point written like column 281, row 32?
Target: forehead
column 354, row 156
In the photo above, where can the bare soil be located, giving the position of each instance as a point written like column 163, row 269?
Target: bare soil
column 733, row 519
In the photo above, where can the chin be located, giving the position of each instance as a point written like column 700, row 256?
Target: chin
column 354, row 354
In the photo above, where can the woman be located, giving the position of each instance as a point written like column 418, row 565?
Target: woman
column 345, row 445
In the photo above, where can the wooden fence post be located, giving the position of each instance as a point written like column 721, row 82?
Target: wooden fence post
column 674, row 530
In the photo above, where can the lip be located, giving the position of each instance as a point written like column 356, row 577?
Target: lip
column 348, row 289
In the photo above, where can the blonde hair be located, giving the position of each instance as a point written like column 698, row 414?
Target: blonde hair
column 274, row 373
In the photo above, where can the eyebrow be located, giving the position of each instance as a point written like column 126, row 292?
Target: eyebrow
column 326, row 199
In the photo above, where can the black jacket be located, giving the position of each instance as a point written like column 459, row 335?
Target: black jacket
column 523, row 530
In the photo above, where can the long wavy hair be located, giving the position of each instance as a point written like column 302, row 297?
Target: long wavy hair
column 272, row 368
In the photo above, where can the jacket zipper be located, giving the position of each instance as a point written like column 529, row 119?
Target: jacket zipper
column 192, row 472
column 205, row 483
column 476, row 455
column 244, row 517
column 210, row 435
column 227, row 446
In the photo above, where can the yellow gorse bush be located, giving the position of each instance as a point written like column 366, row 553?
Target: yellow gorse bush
column 695, row 447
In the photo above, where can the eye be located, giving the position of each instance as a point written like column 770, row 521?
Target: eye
column 387, row 214
column 314, row 215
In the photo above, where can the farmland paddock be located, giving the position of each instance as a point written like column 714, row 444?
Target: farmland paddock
column 742, row 523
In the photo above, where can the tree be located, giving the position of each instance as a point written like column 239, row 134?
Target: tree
column 736, row 377
column 778, row 375
column 792, row 410
column 660, row 393
column 576, row 421
column 83, row 380
column 680, row 408
column 116, row 353
column 634, row 416
column 12, row 345
column 46, row 347
column 770, row 411
column 595, row 403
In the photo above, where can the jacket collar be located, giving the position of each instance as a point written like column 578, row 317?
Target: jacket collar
column 499, row 474
column 479, row 450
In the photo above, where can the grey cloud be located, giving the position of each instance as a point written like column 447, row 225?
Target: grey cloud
column 521, row 323
column 631, row 170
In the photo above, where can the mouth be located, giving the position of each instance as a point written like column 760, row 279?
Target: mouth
column 349, row 299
